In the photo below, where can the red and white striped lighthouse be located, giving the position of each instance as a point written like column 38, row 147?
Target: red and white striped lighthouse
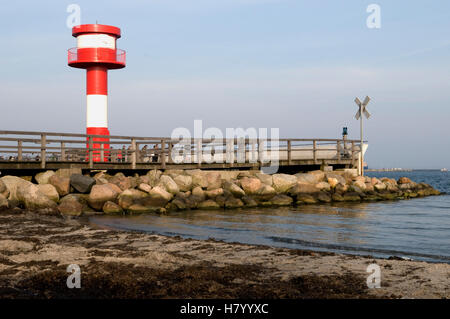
column 96, row 52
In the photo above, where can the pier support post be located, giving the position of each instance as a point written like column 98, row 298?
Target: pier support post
column 19, row 150
column 43, row 150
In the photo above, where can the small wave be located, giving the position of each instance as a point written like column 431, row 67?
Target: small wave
column 305, row 243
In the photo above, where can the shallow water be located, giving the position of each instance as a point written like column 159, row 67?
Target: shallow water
column 418, row 228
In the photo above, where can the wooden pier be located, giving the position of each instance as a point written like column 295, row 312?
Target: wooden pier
column 21, row 150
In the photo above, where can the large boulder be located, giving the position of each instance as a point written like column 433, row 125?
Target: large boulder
column 129, row 197
column 281, row 200
column 380, row 186
column 184, row 182
column 169, row 184
column 250, row 185
column 341, row 188
column 70, row 208
column 228, row 175
column 198, row 178
column 324, row 186
column 249, row 201
column 100, row 194
column 313, row 177
column 160, row 193
column 233, row 202
column 359, row 185
column 67, row 172
column 81, row 183
column 3, row 189
column 235, row 190
column 214, row 180
column 121, row 181
column 3, row 203
column 214, row 192
column 283, row 182
column 153, row 177
column 62, row 184
column 32, row 198
column 49, row 191
column 303, row 188
column 12, row 183
column 333, row 182
column 265, row 178
column 266, row 192
column 403, row 180
column 208, row 204
column 323, row 197
column 112, row 208
column 42, row 178
column 198, row 191
column 145, row 187
column 338, row 177
column 306, row 199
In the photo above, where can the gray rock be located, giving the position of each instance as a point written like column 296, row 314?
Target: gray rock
column 81, row 183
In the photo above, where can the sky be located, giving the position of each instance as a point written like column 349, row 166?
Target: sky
column 292, row 65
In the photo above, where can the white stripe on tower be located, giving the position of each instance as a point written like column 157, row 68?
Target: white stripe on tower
column 97, row 110
column 97, row 99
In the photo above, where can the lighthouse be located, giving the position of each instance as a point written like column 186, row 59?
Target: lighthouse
column 97, row 52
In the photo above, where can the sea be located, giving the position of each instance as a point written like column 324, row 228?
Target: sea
column 416, row 229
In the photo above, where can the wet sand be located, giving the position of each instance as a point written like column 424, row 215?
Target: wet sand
column 35, row 251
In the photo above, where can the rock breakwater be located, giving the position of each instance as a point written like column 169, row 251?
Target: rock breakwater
column 74, row 194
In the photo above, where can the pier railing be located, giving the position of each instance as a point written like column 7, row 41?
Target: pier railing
column 44, row 149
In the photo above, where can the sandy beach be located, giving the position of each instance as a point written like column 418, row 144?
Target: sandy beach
column 35, row 251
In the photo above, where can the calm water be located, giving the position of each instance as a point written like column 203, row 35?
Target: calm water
column 417, row 229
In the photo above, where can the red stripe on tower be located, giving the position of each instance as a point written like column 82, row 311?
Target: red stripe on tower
column 96, row 52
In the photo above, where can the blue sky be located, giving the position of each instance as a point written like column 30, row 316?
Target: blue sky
column 295, row 65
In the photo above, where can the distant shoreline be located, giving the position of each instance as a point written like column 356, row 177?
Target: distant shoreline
column 401, row 169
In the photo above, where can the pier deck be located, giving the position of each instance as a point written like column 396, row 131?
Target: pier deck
column 20, row 150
